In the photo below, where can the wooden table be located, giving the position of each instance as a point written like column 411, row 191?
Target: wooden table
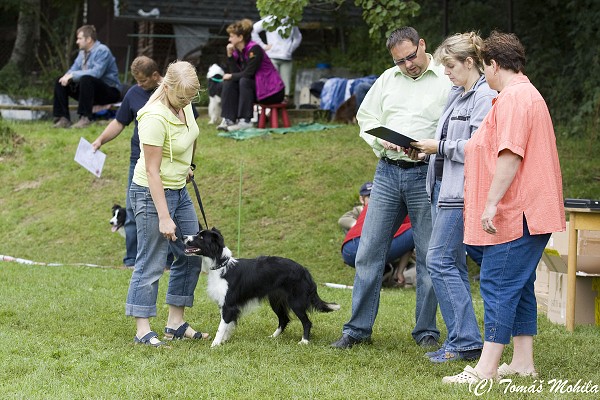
column 579, row 219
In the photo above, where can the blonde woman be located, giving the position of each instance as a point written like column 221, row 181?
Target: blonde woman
column 469, row 101
column 163, row 210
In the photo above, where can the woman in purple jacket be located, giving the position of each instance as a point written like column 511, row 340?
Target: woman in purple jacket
column 251, row 78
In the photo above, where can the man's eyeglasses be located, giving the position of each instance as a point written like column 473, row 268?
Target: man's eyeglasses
column 409, row 57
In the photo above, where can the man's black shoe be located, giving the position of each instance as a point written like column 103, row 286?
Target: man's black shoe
column 347, row 341
column 429, row 341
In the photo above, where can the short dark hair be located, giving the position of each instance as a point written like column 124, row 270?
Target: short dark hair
column 88, row 31
column 506, row 50
column 243, row 28
column 402, row 34
column 144, row 65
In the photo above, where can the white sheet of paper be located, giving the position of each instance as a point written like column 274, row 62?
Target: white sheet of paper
column 93, row 162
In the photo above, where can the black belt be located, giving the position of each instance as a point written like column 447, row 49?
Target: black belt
column 403, row 164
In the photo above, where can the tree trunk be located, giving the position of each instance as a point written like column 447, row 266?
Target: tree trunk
column 25, row 50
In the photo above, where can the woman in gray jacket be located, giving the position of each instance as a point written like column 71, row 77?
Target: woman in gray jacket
column 468, row 103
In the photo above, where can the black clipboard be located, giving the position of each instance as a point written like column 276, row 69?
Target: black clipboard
column 583, row 203
column 392, row 136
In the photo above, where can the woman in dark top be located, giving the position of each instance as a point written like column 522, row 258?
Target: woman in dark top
column 251, row 78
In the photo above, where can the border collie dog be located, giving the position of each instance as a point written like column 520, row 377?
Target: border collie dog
column 118, row 219
column 215, row 86
column 236, row 283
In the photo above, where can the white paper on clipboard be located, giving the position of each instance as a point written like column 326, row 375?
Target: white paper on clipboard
column 87, row 158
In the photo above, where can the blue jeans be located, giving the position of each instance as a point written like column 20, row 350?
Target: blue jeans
column 396, row 192
column 507, row 278
column 476, row 253
column 130, row 228
column 400, row 245
column 446, row 260
column 152, row 251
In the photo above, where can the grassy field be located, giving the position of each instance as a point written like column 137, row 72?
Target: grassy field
column 63, row 333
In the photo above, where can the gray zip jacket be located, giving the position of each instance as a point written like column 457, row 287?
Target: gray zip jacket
column 466, row 114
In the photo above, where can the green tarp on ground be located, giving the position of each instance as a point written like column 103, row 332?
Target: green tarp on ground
column 254, row 132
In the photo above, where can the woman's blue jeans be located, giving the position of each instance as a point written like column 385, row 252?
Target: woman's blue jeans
column 507, row 279
column 152, row 252
column 400, row 245
column 130, row 229
column 396, row 192
column 446, row 260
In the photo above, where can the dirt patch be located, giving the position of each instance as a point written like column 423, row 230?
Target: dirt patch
column 27, row 185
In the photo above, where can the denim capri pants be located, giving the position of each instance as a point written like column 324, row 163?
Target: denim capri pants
column 152, row 253
column 507, row 278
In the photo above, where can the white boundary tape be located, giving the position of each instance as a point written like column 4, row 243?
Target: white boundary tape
column 29, row 262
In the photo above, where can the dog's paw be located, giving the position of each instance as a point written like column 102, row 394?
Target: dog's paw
column 303, row 341
column 215, row 343
column 276, row 333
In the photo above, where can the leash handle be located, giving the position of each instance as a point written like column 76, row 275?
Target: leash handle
column 199, row 202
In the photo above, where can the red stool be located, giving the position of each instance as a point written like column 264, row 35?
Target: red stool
column 262, row 119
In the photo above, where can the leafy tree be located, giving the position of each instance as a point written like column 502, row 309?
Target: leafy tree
column 380, row 15
column 45, row 38
column 24, row 51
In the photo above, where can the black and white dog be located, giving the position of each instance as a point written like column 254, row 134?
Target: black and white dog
column 215, row 86
column 236, row 283
column 118, row 219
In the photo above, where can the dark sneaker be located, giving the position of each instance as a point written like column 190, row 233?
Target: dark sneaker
column 347, row 341
column 429, row 341
column 436, row 353
column 456, row 355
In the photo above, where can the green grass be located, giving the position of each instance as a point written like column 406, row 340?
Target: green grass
column 63, row 333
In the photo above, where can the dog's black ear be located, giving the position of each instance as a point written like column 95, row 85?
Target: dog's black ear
column 219, row 236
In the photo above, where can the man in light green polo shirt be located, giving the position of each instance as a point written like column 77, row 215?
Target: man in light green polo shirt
column 408, row 98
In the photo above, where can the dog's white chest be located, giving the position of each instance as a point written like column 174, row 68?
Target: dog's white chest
column 216, row 287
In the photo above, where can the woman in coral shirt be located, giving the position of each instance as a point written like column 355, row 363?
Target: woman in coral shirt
column 513, row 202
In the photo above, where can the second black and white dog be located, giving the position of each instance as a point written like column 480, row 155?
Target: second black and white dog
column 118, row 219
column 235, row 284
column 215, row 86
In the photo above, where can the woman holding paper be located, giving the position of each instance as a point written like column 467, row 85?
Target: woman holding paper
column 468, row 103
column 163, row 209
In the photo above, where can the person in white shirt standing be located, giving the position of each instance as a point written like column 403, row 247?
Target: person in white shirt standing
column 279, row 48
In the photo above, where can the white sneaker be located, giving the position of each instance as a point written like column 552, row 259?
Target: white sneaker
column 240, row 125
column 469, row 375
column 225, row 123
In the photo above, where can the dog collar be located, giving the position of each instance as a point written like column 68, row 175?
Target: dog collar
column 222, row 264
column 216, row 80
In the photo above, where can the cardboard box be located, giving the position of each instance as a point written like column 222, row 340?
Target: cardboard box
column 585, row 299
column 541, row 287
column 555, row 255
column 542, row 278
column 589, row 243
column 542, row 302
